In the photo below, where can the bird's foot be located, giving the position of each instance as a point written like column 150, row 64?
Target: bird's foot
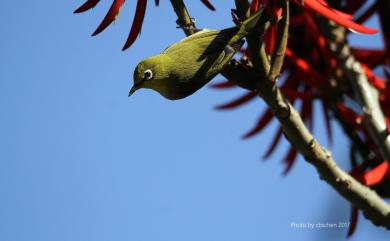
column 187, row 26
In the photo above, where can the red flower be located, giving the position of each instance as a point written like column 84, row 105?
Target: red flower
column 113, row 12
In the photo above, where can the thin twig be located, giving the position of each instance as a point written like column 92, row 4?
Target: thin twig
column 259, row 56
column 281, row 43
column 184, row 18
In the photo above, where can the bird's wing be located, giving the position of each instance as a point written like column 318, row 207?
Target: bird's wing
column 205, row 65
column 209, row 40
column 203, row 55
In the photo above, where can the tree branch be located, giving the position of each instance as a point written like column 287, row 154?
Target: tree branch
column 365, row 94
column 372, row 206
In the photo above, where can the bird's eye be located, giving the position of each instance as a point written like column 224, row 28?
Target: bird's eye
column 148, row 74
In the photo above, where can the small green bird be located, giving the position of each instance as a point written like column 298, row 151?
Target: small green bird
column 186, row 66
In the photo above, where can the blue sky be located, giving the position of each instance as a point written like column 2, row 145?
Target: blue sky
column 80, row 161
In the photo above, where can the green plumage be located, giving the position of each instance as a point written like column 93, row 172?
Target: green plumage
column 186, row 66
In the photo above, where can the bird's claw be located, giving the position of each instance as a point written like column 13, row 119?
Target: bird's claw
column 186, row 26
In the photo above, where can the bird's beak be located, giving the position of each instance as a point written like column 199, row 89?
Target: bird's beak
column 133, row 89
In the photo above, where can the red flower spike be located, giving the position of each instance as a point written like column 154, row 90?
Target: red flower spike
column 297, row 20
column 387, row 123
column 264, row 119
column 137, row 23
column 343, row 15
column 330, row 13
column 222, row 85
column 309, row 22
column 274, row 143
column 293, row 94
column 309, row 71
column 375, row 80
column 208, row 5
column 254, row 6
column 377, row 174
column 290, row 160
column 86, row 6
column 270, row 39
column 235, row 103
column 370, row 57
column 319, row 38
column 357, row 171
column 291, row 82
column 350, row 115
column 110, row 17
column 353, row 221
column 264, row 2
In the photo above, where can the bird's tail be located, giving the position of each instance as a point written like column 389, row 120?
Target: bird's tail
column 250, row 23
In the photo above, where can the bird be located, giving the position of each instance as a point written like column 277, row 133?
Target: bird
column 186, row 66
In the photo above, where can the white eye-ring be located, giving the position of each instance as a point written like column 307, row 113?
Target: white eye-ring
column 148, row 74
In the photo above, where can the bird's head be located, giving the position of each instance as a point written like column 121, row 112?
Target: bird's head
column 150, row 73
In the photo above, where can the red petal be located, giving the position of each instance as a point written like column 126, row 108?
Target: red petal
column 387, row 123
column 297, row 20
column 305, row 67
column 86, row 6
column 137, row 23
column 291, row 82
column 293, row 94
column 350, row 115
column 275, row 10
column 222, row 85
column 357, row 171
column 318, row 38
column 275, row 141
column 254, row 6
column 377, row 174
column 270, row 38
column 290, row 160
column 370, row 57
column 264, row 2
column 342, row 14
column 237, row 102
column 208, row 5
column 330, row 14
column 375, row 80
column 353, row 220
column 264, row 119
column 110, row 17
